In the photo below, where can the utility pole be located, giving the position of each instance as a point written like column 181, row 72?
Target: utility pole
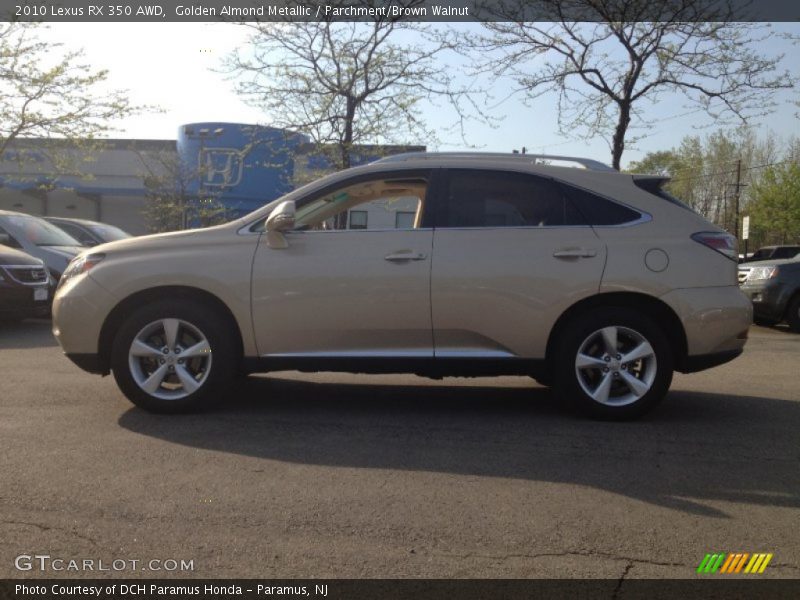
column 738, row 185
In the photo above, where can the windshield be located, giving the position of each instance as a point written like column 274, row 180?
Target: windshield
column 108, row 233
column 40, row 232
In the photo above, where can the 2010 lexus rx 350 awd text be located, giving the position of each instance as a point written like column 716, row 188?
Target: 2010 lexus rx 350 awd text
column 595, row 282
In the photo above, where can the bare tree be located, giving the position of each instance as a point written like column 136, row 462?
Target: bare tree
column 175, row 198
column 47, row 92
column 345, row 84
column 609, row 70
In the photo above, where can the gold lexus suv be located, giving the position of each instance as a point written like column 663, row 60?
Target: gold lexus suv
column 595, row 282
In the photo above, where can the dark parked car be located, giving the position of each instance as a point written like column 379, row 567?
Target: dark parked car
column 773, row 253
column 24, row 285
column 774, row 288
column 89, row 233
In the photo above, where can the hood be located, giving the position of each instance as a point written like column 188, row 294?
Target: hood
column 11, row 256
column 771, row 263
column 66, row 251
column 162, row 240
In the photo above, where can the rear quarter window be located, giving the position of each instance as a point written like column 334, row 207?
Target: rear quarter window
column 597, row 210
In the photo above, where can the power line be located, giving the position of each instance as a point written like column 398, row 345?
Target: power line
column 731, row 172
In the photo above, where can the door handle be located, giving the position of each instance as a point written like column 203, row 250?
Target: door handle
column 575, row 253
column 405, row 255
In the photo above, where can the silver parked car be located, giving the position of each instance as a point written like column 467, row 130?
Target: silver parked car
column 587, row 279
column 38, row 238
column 89, row 233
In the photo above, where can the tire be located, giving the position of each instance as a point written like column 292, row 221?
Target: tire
column 585, row 350
column 793, row 314
column 183, row 374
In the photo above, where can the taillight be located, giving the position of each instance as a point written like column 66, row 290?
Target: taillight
column 724, row 243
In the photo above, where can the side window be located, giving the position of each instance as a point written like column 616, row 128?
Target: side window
column 383, row 203
column 76, row 232
column 478, row 198
column 597, row 210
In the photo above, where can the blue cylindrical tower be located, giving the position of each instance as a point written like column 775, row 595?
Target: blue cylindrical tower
column 242, row 166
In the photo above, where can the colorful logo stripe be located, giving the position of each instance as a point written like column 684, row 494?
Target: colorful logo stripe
column 737, row 562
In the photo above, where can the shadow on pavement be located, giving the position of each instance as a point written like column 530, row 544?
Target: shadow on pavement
column 30, row 333
column 696, row 447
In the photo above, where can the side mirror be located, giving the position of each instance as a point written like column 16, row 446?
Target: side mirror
column 280, row 219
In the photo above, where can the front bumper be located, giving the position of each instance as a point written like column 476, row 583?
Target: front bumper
column 693, row 364
column 17, row 302
column 89, row 362
column 79, row 310
column 769, row 299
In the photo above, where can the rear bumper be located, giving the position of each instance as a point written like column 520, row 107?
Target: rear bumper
column 715, row 319
column 769, row 299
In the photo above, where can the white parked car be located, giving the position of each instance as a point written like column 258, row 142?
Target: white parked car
column 590, row 280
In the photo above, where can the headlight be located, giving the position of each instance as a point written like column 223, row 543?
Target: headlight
column 757, row 273
column 79, row 265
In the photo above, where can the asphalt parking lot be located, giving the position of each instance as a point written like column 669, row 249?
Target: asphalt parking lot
column 333, row 475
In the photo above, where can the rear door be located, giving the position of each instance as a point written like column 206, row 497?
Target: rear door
column 511, row 253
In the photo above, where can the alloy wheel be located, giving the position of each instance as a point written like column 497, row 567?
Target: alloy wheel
column 169, row 359
column 616, row 366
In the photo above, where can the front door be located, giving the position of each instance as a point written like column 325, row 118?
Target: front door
column 354, row 280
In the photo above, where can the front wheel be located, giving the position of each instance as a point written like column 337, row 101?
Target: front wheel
column 613, row 364
column 172, row 357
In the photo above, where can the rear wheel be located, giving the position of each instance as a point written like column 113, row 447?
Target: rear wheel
column 793, row 314
column 172, row 357
column 613, row 364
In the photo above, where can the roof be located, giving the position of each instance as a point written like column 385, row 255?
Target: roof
column 534, row 159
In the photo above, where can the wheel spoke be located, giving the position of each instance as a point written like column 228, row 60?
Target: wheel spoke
column 643, row 350
column 602, row 391
column 637, row 386
column 190, row 384
column 584, row 361
column 139, row 348
column 171, row 327
column 152, row 383
column 610, row 339
column 201, row 348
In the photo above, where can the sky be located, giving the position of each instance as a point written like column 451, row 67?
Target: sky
column 177, row 66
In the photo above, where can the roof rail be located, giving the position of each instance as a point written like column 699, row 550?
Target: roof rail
column 586, row 163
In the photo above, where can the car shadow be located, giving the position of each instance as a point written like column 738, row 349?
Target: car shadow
column 30, row 333
column 779, row 328
column 694, row 449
